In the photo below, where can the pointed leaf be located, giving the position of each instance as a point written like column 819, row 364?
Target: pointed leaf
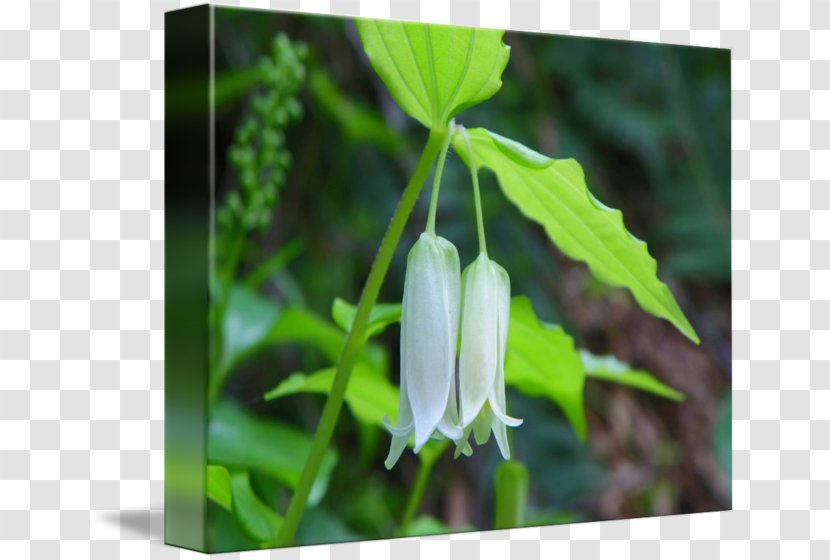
column 609, row 368
column 239, row 439
column 233, row 492
column 435, row 71
column 247, row 320
column 257, row 520
column 252, row 321
column 541, row 361
column 553, row 193
column 299, row 325
column 219, row 486
column 369, row 396
column 381, row 316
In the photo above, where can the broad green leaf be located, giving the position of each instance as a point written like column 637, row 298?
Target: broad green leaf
column 299, row 325
column 609, row 368
column 541, row 361
column 248, row 319
column 233, row 492
column 369, row 396
column 381, row 316
column 240, row 440
column 219, row 486
column 257, row 520
column 435, row 71
column 253, row 321
column 511, row 482
column 553, row 193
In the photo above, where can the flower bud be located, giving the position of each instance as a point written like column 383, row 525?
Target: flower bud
column 429, row 332
column 484, row 325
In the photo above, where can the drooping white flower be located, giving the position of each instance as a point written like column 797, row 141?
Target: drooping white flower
column 429, row 333
column 485, row 321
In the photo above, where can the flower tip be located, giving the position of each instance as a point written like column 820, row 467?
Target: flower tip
column 507, row 420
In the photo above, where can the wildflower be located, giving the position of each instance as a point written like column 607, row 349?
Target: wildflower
column 429, row 333
column 484, row 324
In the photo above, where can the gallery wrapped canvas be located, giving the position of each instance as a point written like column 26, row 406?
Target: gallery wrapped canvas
column 426, row 279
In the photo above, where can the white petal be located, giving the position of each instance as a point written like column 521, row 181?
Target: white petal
column 499, row 413
column 462, row 446
column 479, row 352
column 396, row 449
column 402, row 432
column 449, row 425
column 427, row 333
column 500, row 433
column 497, row 398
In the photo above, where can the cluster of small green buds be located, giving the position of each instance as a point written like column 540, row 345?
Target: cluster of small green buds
column 258, row 153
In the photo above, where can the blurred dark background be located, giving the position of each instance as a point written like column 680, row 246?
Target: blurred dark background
column 651, row 126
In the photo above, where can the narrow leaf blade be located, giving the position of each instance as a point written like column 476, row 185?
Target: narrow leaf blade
column 609, row 368
column 369, row 396
column 381, row 316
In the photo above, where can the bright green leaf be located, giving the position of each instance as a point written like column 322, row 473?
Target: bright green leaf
column 435, row 71
column 299, row 325
column 369, row 396
column 233, row 492
column 257, row 520
column 253, row 322
column 553, row 193
column 381, row 316
column 219, row 486
column 541, row 361
column 609, row 368
column 511, row 482
column 239, row 439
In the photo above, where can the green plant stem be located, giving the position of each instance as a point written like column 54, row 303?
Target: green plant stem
column 356, row 337
column 436, row 182
column 482, row 242
column 417, row 493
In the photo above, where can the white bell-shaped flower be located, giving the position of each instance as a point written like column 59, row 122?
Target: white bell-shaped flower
column 429, row 334
column 485, row 321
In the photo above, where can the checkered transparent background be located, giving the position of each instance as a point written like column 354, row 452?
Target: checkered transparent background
column 81, row 279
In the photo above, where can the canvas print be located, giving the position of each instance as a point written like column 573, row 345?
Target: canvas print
column 425, row 279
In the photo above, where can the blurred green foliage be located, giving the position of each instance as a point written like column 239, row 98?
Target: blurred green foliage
column 312, row 155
